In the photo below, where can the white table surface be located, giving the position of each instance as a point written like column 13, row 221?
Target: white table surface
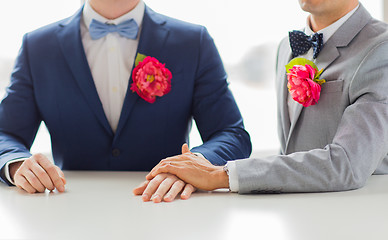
column 100, row 205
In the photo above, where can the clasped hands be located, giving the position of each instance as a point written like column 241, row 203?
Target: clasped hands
column 186, row 172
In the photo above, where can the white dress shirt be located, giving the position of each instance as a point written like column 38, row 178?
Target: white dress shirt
column 292, row 105
column 110, row 59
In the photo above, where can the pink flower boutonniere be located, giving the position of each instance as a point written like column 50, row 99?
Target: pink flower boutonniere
column 304, row 84
column 151, row 79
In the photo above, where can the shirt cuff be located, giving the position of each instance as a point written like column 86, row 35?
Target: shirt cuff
column 233, row 178
column 6, row 168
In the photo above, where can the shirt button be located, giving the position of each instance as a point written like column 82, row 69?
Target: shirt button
column 116, row 152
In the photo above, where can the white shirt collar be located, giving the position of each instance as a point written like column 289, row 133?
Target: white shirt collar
column 330, row 30
column 137, row 14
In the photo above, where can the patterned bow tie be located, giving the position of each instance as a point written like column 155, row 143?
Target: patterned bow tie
column 128, row 29
column 301, row 43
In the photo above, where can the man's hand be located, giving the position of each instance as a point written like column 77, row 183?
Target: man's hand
column 192, row 169
column 164, row 187
column 36, row 174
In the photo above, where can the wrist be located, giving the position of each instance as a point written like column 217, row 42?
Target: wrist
column 13, row 167
column 221, row 178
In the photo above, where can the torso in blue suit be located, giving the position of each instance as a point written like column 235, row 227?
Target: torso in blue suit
column 52, row 82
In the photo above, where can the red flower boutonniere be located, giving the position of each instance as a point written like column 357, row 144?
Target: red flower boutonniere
column 151, row 79
column 304, row 84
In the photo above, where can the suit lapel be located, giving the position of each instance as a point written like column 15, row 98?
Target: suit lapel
column 69, row 37
column 327, row 56
column 283, row 92
column 152, row 39
column 341, row 38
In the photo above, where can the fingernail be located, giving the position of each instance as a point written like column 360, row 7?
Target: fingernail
column 156, row 199
column 61, row 189
column 63, row 180
column 145, row 197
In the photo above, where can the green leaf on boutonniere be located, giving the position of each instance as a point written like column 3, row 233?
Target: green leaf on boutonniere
column 301, row 61
column 317, row 80
column 139, row 58
column 318, row 73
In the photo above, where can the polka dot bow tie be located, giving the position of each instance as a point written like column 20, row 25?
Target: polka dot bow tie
column 300, row 43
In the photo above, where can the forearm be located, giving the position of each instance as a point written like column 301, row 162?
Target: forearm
column 215, row 110
column 230, row 144
column 347, row 163
column 318, row 170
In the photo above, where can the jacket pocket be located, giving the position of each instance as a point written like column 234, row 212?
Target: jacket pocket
column 332, row 86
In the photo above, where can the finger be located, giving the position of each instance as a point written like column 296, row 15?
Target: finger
column 163, row 188
column 166, row 168
column 174, row 191
column 61, row 175
column 33, row 181
column 176, row 160
column 189, row 189
column 161, row 164
column 42, row 175
column 51, row 169
column 149, row 176
column 140, row 189
column 185, row 148
column 152, row 186
column 22, row 183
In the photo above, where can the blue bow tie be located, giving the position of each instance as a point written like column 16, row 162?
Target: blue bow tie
column 128, row 29
column 300, row 43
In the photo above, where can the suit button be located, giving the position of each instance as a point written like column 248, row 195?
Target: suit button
column 116, row 152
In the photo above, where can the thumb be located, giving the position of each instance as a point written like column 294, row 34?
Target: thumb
column 185, row 148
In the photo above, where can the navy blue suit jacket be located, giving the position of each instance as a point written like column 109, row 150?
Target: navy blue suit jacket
column 52, row 82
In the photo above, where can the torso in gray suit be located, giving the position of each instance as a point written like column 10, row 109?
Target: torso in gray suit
column 338, row 143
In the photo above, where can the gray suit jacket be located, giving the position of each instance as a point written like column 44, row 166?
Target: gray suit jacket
column 338, row 143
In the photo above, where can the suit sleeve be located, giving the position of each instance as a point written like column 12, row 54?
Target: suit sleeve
column 215, row 111
column 19, row 116
column 359, row 146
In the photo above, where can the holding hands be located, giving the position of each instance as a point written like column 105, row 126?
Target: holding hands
column 192, row 169
column 182, row 172
column 165, row 186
